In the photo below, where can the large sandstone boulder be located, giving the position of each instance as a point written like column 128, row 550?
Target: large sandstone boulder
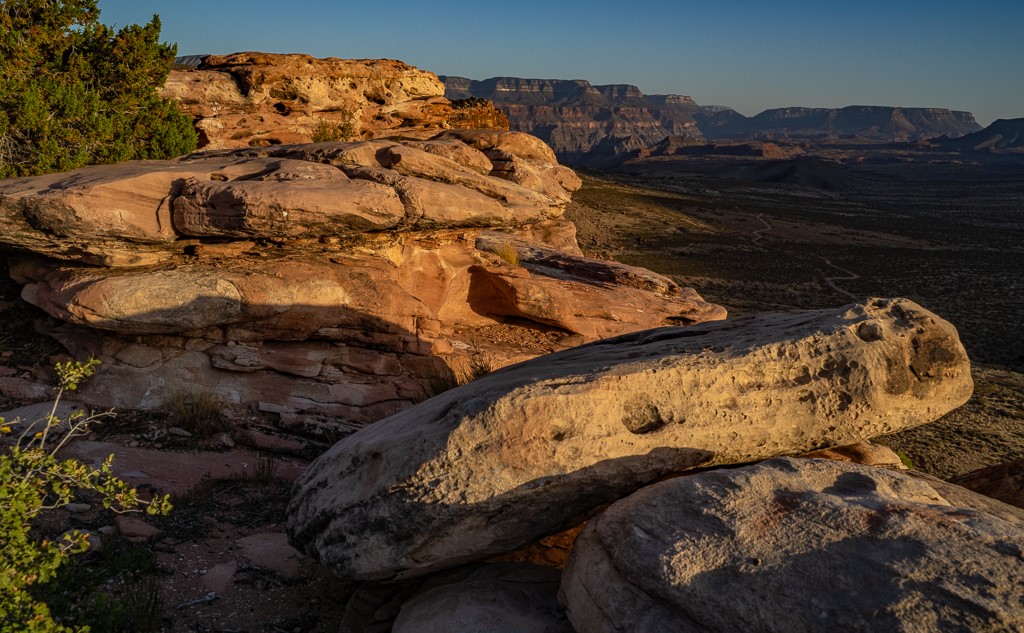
column 257, row 99
column 799, row 545
column 534, row 448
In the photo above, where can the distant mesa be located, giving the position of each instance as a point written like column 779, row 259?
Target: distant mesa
column 869, row 123
column 589, row 124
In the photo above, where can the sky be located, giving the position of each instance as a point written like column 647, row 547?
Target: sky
column 746, row 54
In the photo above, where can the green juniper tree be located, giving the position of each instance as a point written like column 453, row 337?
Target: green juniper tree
column 74, row 92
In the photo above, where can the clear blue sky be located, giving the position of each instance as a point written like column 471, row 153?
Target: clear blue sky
column 751, row 55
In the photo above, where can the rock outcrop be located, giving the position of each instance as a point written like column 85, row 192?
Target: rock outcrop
column 798, row 545
column 533, row 449
column 329, row 283
column 259, row 99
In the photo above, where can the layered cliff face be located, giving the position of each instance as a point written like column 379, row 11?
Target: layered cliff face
column 875, row 123
column 582, row 122
column 590, row 124
column 260, row 99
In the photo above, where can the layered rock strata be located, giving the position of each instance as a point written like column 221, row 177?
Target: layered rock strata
column 332, row 279
column 798, row 545
column 532, row 449
column 259, row 99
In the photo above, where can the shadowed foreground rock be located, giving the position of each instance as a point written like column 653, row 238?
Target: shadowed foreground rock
column 501, row 598
column 799, row 545
column 532, row 449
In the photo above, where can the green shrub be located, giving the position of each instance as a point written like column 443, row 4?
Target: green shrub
column 74, row 92
column 32, row 480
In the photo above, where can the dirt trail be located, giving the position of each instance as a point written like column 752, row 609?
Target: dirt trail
column 847, row 275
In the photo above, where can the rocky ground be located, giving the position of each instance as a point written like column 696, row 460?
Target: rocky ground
column 219, row 561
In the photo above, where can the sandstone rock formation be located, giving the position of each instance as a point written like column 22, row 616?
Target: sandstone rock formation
column 798, row 545
column 500, row 598
column 327, row 283
column 259, row 99
column 534, row 448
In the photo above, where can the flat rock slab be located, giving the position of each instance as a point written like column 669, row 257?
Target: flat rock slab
column 799, row 545
column 175, row 473
column 500, row 598
column 530, row 450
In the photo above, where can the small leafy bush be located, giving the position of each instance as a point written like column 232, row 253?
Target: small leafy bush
column 33, row 479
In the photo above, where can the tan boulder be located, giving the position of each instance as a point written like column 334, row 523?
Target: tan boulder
column 529, row 450
column 798, row 545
